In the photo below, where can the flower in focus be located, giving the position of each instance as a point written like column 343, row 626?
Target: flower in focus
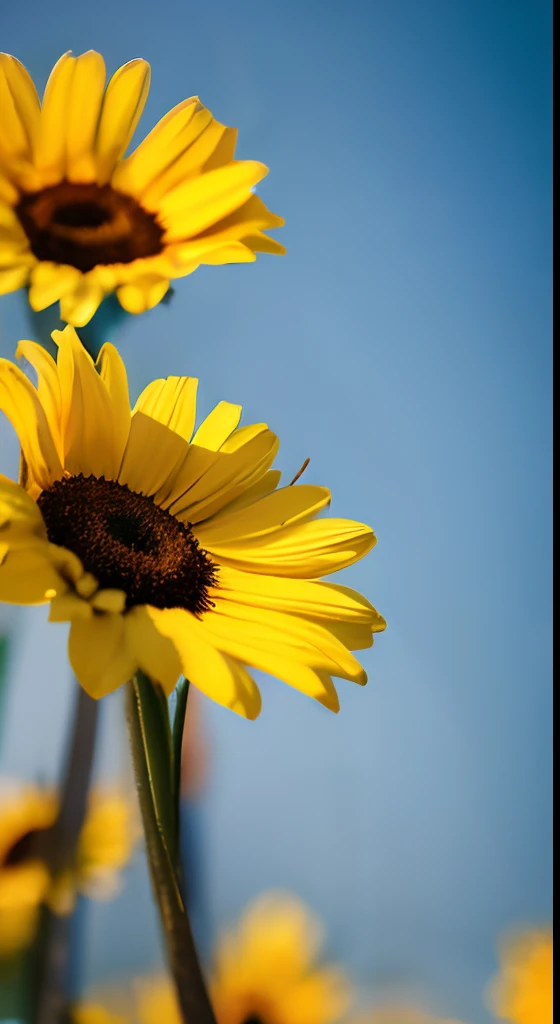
column 522, row 993
column 266, row 971
column 78, row 220
column 171, row 552
column 27, row 813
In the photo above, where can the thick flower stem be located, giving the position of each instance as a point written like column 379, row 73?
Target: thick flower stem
column 50, row 962
column 153, row 770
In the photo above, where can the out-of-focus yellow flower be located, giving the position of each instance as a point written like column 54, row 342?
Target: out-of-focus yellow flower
column 27, row 812
column 77, row 220
column 266, row 971
column 398, row 1015
column 91, row 1013
column 171, row 549
column 523, row 992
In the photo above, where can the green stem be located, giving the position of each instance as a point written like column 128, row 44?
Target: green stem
column 49, row 994
column 147, row 742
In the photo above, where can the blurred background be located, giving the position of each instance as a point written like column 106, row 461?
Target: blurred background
column 403, row 344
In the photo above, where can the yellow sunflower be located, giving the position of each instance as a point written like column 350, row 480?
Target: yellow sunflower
column 266, row 971
column 170, row 552
column 93, row 1013
column 27, row 812
column 78, row 220
column 523, row 991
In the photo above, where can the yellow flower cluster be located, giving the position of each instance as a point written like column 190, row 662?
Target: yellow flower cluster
column 27, row 813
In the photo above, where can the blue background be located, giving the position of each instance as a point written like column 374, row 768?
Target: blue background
column 404, row 345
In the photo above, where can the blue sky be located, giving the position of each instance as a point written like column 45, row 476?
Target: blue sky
column 404, row 345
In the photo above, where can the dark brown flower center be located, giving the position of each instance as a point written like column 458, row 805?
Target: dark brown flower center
column 129, row 543
column 30, row 846
column 88, row 225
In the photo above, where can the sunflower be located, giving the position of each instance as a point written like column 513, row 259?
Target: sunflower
column 27, row 813
column 266, row 971
column 523, row 991
column 93, row 1013
column 168, row 552
column 78, row 221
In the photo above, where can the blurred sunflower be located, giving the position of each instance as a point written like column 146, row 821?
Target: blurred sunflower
column 170, row 552
column 523, row 991
column 92, row 1013
column 265, row 972
column 390, row 1014
column 78, row 221
column 27, row 813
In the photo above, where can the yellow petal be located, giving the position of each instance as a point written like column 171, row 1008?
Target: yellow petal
column 198, row 203
column 218, row 426
column 143, row 294
column 18, row 511
column 67, row 607
column 84, row 106
column 191, row 160
column 90, row 420
column 226, row 478
column 156, row 653
column 172, row 402
column 50, row 151
column 272, row 513
column 248, row 218
column 219, row 677
column 20, row 107
column 291, row 635
column 265, row 485
column 224, row 151
column 257, row 241
column 99, row 654
column 48, row 387
column 78, row 304
column 171, row 135
column 109, row 600
column 271, row 656
column 152, row 454
column 21, row 404
column 242, row 435
column 122, row 108
column 12, row 278
column 113, row 374
column 303, row 551
column 50, row 281
column 28, row 577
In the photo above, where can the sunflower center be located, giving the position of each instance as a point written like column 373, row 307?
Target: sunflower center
column 87, row 225
column 129, row 543
column 29, row 846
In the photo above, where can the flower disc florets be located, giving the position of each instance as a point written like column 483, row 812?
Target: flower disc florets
column 129, row 543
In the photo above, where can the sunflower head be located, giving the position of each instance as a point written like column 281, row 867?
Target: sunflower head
column 78, row 220
column 168, row 548
column 27, row 814
column 266, row 971
column 522, row 993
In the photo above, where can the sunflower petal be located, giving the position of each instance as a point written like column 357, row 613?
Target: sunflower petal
column 28, row 577
column 90, row 421
column 270, row 514
column 156, row 653
column 218, row 676
column 82, row 118
column 21, row 404
column 78, row 304
column 50, row 281
column 48, row 387
column 20, row 107
column 50, row 150
column 218, row 426
column 178, row 129
column 172, row 402
column 303, row 551
column 113, row 374
column 152, row 455
column 143, row 293
column 200, row 202
column 124, row 101
column 99, row 654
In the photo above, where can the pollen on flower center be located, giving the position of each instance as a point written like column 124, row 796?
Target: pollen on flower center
column 129, row 543
column 87, row 225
